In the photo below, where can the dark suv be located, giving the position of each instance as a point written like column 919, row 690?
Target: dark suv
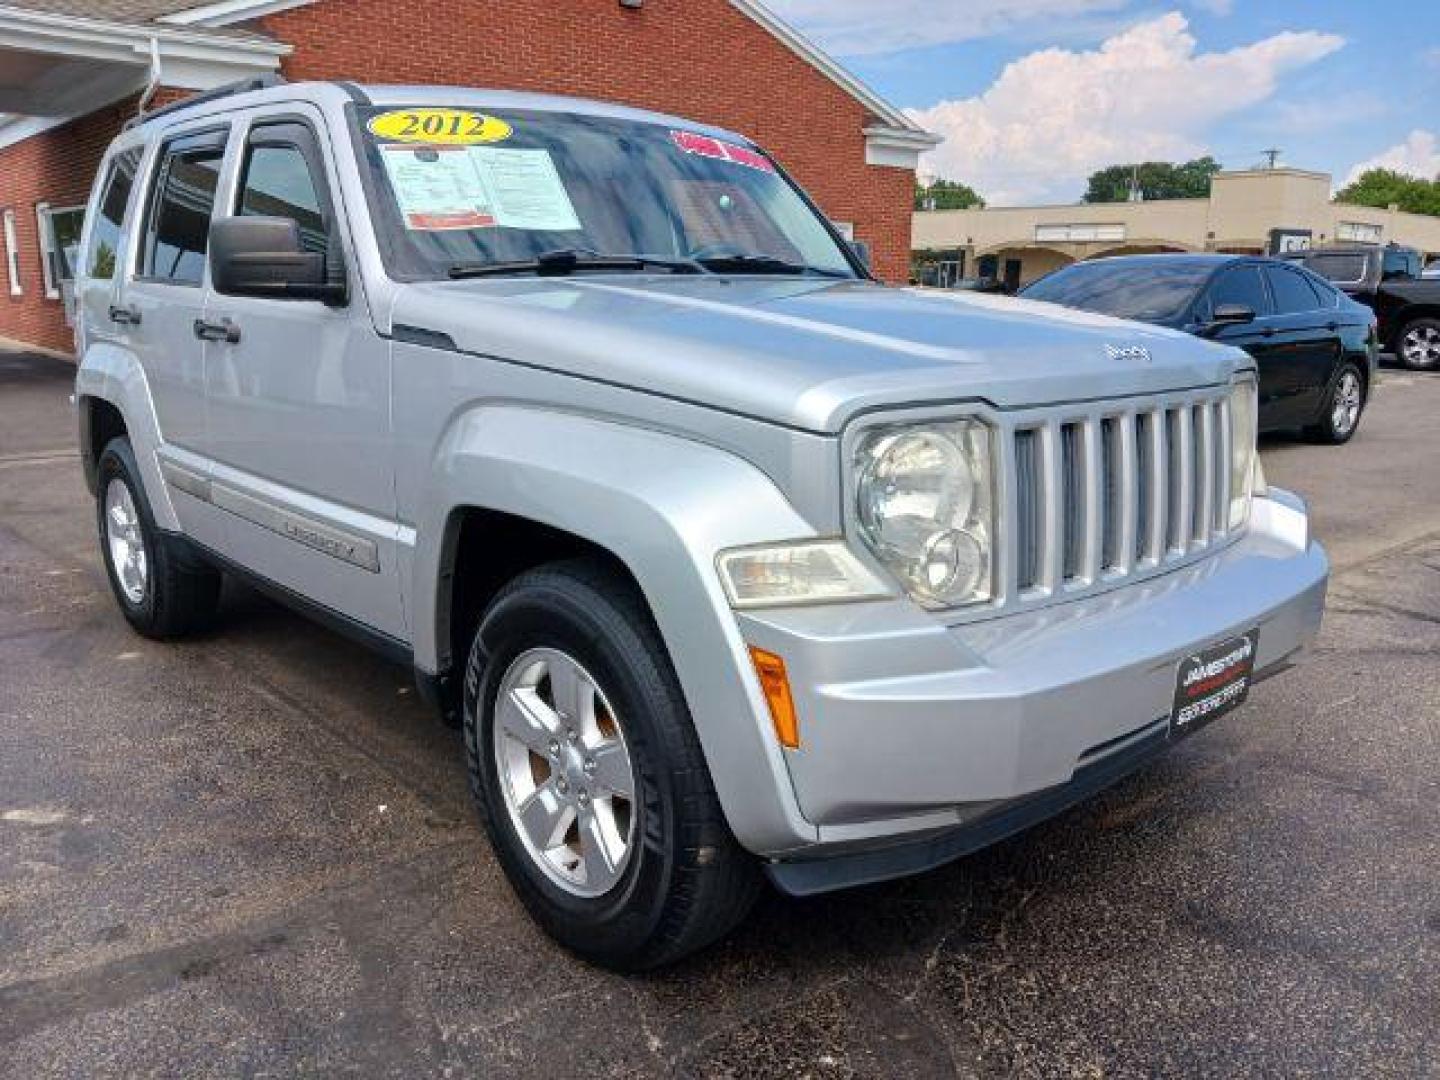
column 1391, row 282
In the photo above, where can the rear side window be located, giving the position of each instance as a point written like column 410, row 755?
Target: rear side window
column 1241, row 285
column 1342, row 266
column 110, row 215
column 177, row 233
column 1292, row 293
column 1401, row 264
column 277, row 182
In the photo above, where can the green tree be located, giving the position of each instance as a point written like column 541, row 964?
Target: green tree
column 1157, row 180
column 1382, row 187
column 946, row 195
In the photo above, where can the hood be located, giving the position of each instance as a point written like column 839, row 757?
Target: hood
column 805, row 353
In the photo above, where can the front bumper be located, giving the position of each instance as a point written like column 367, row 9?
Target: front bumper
column 911, row 729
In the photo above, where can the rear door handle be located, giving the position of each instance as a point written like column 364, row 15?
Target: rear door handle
column 224, row 330
column 125, row 316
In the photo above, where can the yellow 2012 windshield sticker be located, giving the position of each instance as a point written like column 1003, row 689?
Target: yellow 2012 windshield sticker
column 439, row 127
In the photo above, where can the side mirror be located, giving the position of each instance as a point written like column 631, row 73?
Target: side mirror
column 1229, row 315
column 262, row 256
column 861, row 251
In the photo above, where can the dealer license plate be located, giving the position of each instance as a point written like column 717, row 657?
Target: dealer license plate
column 1212, row 682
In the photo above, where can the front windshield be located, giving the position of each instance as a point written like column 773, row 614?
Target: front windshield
column 459, row 191
column 1148, row 292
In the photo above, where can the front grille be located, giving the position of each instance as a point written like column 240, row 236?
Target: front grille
column 1105, row 492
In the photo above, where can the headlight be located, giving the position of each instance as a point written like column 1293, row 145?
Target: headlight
column 807, row 572
column 1244, row 457
column 925, row 503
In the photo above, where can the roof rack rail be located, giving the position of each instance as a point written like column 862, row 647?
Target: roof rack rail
column 241, row 86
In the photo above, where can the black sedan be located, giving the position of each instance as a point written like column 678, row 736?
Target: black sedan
column 1315, row 347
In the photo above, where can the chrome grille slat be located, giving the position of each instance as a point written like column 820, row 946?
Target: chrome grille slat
column 1072, row 476
column 1030, row 509
column 1102, row 493
column 1052, row 557
column 1222, row 503
column 1093, row 541
column 1160, row 474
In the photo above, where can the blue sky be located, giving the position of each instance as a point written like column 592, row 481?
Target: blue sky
column 1032, row 95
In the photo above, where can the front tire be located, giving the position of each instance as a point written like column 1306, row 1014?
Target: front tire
column 1340, row 417
column 160, row 593
column 589, row 777
column 1417, row 346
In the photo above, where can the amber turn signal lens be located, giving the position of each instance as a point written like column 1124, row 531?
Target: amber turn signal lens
column 776, row 685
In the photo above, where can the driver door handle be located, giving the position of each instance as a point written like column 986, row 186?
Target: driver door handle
column 126, row 316
column 224, row 330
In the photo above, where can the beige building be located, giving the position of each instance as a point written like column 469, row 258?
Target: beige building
column 1249, row 212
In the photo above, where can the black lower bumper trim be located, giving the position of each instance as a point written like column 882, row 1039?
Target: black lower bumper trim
column 810, row 877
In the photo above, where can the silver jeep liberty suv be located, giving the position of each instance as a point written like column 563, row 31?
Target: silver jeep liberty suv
column 731, row 563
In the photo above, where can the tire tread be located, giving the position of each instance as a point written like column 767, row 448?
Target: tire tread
column 714, row 880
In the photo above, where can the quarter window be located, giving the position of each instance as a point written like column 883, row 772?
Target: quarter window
column 110, row 215
column 1326, row 293
column 1241, row 285
column 178, row 232
column 277, row 183
column 1292, row 293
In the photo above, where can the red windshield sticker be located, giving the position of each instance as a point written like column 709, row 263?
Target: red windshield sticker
column 705, row 146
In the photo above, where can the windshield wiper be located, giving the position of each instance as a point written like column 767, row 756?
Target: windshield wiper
column 756, row 263
column 567, row 260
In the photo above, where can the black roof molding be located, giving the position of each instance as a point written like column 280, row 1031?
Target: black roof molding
column 240, row 86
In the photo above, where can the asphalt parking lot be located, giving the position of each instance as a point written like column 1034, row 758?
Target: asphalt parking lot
column 254, row 854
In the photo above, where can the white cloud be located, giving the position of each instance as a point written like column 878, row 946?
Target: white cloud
column 1054, row 116
column 868, row 27
column 1418, row 155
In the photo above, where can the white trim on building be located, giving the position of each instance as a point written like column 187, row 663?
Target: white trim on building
column 228, row 12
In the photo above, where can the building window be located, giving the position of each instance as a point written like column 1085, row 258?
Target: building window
column 12, row 253
column 59, row 229
column 1078, row 233
column 1361, row 232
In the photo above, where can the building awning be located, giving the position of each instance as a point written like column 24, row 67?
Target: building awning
column 57, row 66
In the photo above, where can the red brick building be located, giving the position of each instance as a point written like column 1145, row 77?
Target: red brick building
column 72, row 71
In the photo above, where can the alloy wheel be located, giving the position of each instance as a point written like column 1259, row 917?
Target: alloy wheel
column 1349, row 396
column 125, row 541
column 565, row 771
column 1421, row 347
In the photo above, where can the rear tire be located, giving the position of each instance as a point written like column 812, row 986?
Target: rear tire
column 161, row 591
column 673, row 878
column 1417, row 346
column 1340, row 418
